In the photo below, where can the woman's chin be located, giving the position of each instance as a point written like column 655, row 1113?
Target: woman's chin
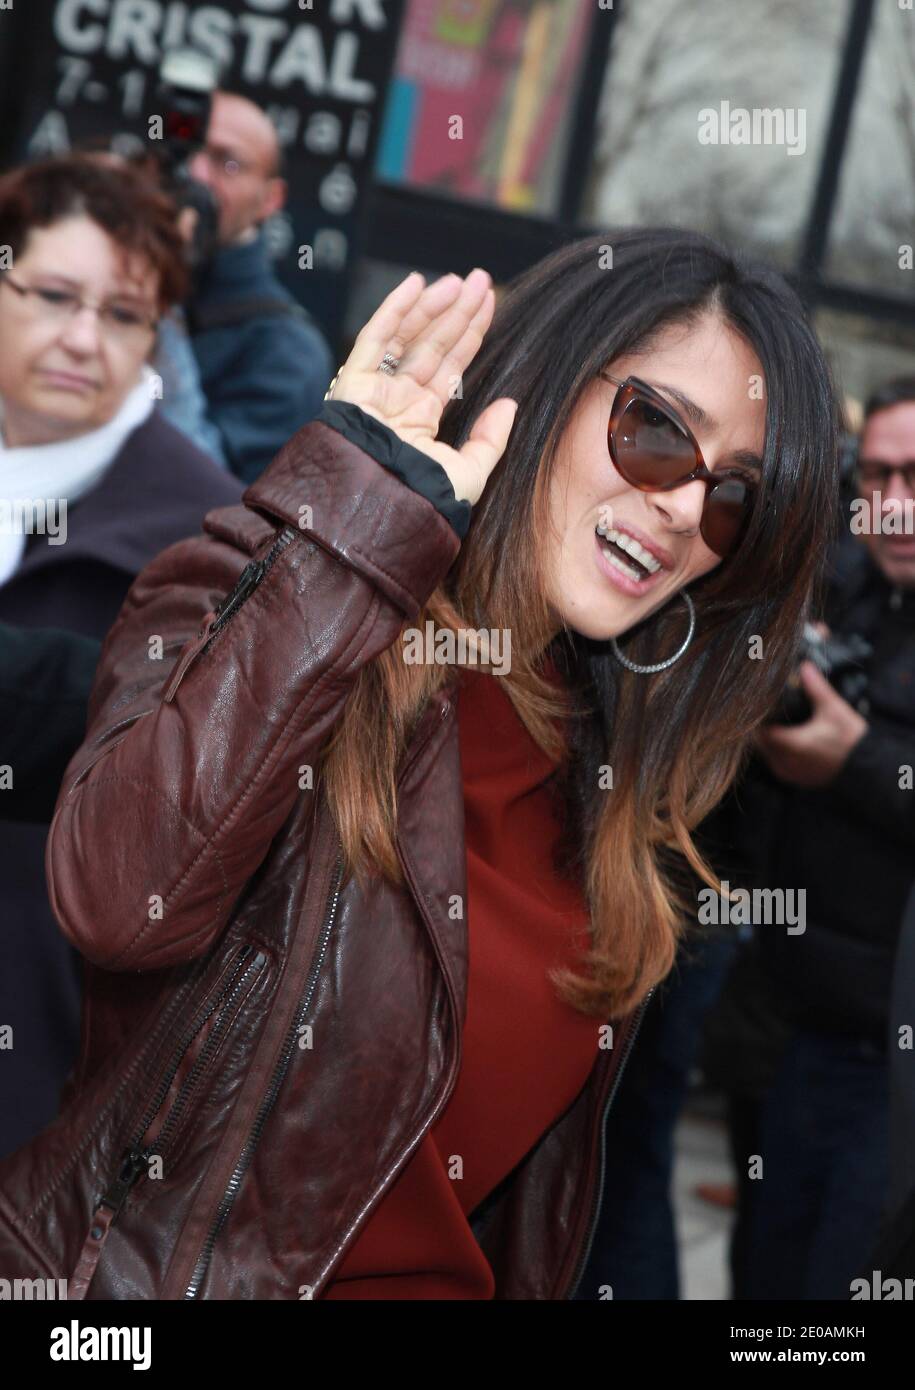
column 603, row 621
column 62, row 413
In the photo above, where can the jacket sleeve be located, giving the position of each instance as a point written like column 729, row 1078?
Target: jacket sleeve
column 416, row 469
column 875, row 781
column 222, row 676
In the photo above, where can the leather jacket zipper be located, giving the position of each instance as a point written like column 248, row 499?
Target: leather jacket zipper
column 135, row 1158
column 251, row 576
column 238, row 1173
column 276, row 1081
column 140, row 1148
column 598, row 1190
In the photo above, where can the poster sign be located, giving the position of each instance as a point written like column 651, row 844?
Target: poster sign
column 320, row 68
column 511, row 72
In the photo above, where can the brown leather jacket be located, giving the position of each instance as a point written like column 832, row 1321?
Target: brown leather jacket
column 283, row 1040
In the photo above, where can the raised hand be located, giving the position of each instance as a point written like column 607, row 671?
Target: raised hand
column 435, row 330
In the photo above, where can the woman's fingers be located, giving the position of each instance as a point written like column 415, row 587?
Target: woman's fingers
column 455, row 362
column 423, row 324
column 372, row 339
column 429, row 349
column 482, row 450
column 437, row 297
column 436, row 331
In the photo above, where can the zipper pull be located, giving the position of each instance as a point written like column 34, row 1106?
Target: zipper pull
column 245, row 585
column 190, row 655
column 106, row 1210
column 247, row 582
column 132, row 1165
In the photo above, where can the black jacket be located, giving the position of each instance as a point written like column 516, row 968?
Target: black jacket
column 156, row 492
column 851, row 844
column 45, row 679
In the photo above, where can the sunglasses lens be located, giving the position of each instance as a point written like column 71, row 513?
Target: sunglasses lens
column 649, row 448
column 726, row 511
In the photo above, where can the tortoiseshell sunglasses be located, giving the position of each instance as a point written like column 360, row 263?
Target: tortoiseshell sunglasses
column 655, row 451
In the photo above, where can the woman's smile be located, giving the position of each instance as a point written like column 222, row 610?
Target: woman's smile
column 625, row 573
column 646, row 544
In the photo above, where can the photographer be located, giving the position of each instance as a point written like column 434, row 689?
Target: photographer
column 264, row 363
column 831, row 811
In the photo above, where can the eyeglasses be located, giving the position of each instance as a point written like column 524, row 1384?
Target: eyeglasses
column 223, row 162
column 121, row 321
column 655, row 451
column 873, row 473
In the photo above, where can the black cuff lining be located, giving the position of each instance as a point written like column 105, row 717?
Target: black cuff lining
column 410, row 465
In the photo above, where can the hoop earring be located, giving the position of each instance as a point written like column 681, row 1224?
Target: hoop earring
column 660, row 665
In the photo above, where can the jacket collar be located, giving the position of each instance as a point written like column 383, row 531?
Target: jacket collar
column 105, row 526
column 234, row 270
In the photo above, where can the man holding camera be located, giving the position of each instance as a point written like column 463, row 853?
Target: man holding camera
column 830, row 808
column 264, row 363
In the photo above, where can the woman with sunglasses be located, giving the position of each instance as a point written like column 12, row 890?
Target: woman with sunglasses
column 452, row 890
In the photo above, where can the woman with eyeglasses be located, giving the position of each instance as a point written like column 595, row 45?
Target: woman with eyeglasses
column 412, row 909
column 93, row 484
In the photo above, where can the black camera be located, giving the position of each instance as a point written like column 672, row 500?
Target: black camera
column 841, row 660
column 187, row 80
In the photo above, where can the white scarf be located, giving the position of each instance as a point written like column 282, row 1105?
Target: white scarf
column 55, row 475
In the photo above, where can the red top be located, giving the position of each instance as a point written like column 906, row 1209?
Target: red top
column 525, row 1056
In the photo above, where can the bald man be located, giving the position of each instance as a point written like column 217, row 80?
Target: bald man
column 264, row 363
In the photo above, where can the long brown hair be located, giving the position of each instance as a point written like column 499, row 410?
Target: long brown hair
column 674, row 741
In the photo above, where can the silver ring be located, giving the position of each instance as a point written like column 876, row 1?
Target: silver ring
column 389, row 364
column 660, row 665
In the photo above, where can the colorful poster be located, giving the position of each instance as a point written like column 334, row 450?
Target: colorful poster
column 482, row 96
